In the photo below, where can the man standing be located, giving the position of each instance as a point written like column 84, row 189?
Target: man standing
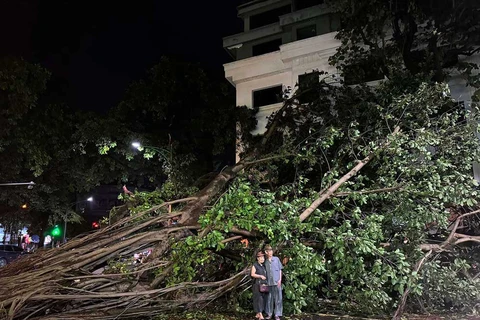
column 274, row 280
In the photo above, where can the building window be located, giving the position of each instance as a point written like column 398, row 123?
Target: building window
column 266, row 47
column 306, row 81
column 362, row 72
column 335, row 22
column 268, row 17
column 302, row 4
column 307, row 32
column 267, row 96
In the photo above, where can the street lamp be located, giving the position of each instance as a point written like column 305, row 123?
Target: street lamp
column 13, row 184
column 137, row 145
column 89, row 199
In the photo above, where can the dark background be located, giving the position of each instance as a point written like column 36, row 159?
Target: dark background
column 95, row 49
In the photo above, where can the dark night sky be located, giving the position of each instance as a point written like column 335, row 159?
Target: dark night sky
column 96, row 48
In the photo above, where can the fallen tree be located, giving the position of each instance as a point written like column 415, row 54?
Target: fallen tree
column 201, row 259
column 65, row 282
column 345, row 184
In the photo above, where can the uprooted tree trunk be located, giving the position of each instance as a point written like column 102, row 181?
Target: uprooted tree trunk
column 67, row 282
column 70, row 283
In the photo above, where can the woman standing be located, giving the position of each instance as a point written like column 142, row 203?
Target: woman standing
column 259, row 275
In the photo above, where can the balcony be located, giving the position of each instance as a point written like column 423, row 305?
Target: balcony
column 307, row 50
column 256, row 5
column 304, row 14
column 262, row 32
column 325, row 44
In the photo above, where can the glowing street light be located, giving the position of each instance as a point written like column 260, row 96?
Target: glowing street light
column 24, row 206
column 162, row 152
column 89, row 199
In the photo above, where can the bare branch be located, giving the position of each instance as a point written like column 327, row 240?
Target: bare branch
column 343, row 194
column 457, row 223
column 454, row 238
column 329, row 192
column 231, row 239
column 246, row 233
column 399, row 312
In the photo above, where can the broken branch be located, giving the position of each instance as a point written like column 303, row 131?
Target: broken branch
column 327, row 194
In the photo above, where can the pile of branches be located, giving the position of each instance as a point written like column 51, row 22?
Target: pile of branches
column 75, row 280
column 70, row 282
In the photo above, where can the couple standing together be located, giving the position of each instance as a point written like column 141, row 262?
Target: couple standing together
column 267, row 270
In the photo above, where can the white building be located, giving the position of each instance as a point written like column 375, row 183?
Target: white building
column 282, row 40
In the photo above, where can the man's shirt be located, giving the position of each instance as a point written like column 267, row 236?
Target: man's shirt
column 274, row 268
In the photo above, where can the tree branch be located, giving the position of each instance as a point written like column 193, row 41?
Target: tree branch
column 454, row 238
column 456, row 224
column 399, row 312
column 267, row 159
column 468, row 239
column 229, row 255
column 246, row 233
column 329, row 192
column 343, row 194
column 231, row 239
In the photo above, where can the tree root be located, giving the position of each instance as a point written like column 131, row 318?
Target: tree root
column 71, row 282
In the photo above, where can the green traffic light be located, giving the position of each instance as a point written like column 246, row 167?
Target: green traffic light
column 56, row 231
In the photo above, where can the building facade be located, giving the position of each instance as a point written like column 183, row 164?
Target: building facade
column 282, row 40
